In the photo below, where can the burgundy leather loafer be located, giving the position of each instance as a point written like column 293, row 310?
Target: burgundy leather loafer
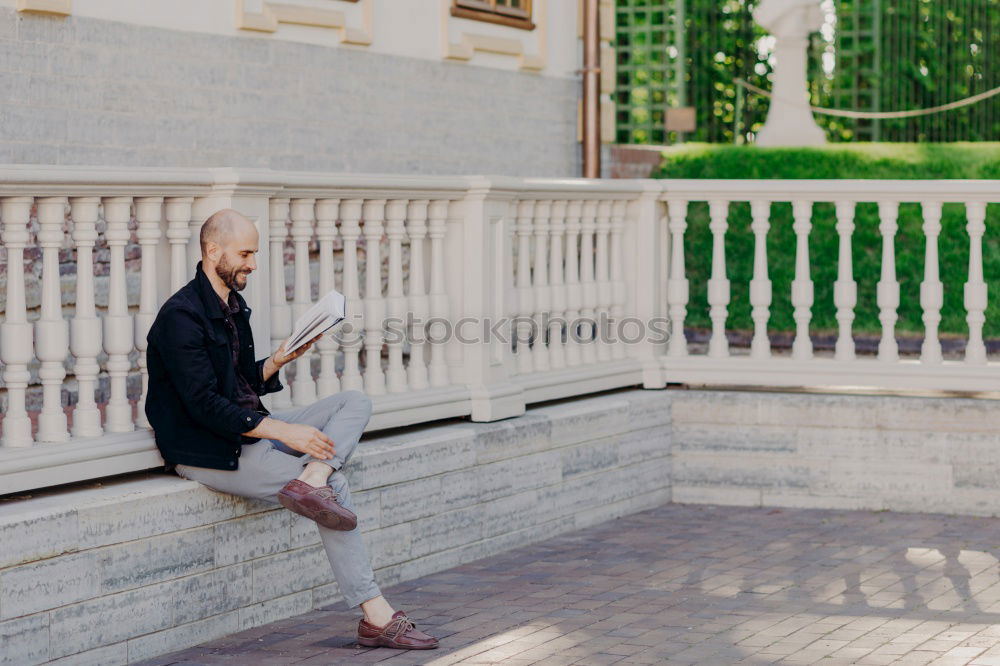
column 319, row 504
column 400, row 633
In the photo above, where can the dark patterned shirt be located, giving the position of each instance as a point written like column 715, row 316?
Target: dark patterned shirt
column 245, row 396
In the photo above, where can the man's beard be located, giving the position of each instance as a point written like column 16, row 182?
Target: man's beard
column 231, row 276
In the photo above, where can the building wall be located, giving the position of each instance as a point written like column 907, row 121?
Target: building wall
column 428, row 94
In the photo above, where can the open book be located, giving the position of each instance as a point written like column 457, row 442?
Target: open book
column 320, row 318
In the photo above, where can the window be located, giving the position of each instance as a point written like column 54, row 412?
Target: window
column 514, row 13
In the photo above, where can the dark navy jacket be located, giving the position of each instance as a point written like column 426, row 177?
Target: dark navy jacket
column 192, row 381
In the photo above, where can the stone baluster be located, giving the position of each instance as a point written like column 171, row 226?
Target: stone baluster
column 395, row 375
column 588, row 287
column 148, row 212
column 302, row 212
column 975, row 287
column 540, row 281
column 618, row 291
column 194, row 242
column 437, row 370
column 718, row 284
column 85, row 328
column 887, row 289
column 845, row 289
column 281, row 313
column 374, row 216
column 557, row 286
column 118, row 327
column 525, row 294
column 574, row 292
column 931, row 289
column 178, row 214
column 760, row 284
column 350, row 338
column 15, row 332
column 419, row 302
column 677, row 284
column 603, row 281
column 51, row 330
column 802, row 285
column 326, row 233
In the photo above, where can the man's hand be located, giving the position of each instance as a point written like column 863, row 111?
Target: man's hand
column 280, row 358
column 304, row 438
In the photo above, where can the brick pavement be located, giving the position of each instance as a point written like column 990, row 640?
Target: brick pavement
column 688, row 585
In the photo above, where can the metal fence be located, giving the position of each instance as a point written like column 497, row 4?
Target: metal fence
column 882, row 56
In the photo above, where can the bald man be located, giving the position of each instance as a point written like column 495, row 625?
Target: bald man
column 210, row 425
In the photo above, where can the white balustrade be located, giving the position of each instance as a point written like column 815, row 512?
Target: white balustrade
column 119, row 337
column 326, row 233
column 802, row 285
column 760, row 285
column 931, row 289
column 975, row 287
column 375, row 308
column 51, row 330
column 281, row 313
column 395, row 302
column 845, row 289
column 418, row 301
column 540, row 284
column 557, row 285
column 437, row 369
column 15, row 332
column 85, row 328
column 148, row 212
column 602, row 279
column 677, row 285
column 887, row 289
column 718, row 284
column 303, row 222
column 525, row 294
column 350, row 340
column 586, row 251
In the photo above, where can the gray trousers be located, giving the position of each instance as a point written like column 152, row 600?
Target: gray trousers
column 266, row 466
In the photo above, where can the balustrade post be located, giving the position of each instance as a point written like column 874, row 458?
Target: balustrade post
column 887, row 290
column 718, row 284
column 178, row 214
column 395, row 376
column 540, row 282
column 85, row 328
column 437, row 369
column 931, row 289
column 760, row 285
column 280, row 310
column 148, row 211
column 419, row 301
column 119, row 333
column 350, row 332
column 618, row 294
column 975, row 287
column 845, row 289
column 478, row 297
column 557, row 286
column 677, row 285
column 602, row 278
column 645, row 284
column 374, row 216
column 525, row 294
column 574, row 292
column 326, row 233
column 51, row 330
column 588, row 287
column 302, row 213
column 802, row 285
column 15, row 332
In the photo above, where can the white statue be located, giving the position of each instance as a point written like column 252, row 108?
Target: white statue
column 789, row 120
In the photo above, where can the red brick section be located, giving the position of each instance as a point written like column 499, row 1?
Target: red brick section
column 688, row 585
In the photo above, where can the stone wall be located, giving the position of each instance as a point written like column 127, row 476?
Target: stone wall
column 138, row 567
column 87, row 91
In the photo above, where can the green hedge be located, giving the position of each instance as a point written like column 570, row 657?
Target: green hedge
column 870, row 161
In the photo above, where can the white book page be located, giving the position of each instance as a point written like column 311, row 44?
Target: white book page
column 321, row 317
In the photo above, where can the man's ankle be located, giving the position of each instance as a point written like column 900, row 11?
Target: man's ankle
column 316, row 474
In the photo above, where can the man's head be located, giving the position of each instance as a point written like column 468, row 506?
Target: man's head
column 229, row 244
